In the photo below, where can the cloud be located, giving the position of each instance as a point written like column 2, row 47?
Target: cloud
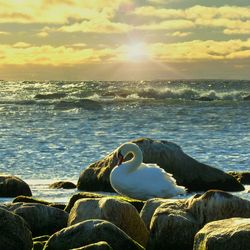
column 168, row 25
column 180, row 34
column 198, row 50
column 97, row 25
column 55, row 11
column 232, row 19
column 74, row 54
column 4, row 33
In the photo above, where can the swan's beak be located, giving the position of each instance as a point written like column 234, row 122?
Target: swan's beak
column 120, row 159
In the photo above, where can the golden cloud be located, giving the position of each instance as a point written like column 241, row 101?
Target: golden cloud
column 74, row 54
column 97, row 25
column 231, row 18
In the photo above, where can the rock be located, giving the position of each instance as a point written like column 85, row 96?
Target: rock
column 175, row 223
column 205, row 99
column 187, row 171
column 62, row 184
column 242, row 177
column 246, row 98
column 42, row 219
column 172, row 227
column 12, row 186
column 83, row 103
column 81, row 195
column 38, row 245
column 230, row 234
column 26, row 199
column 136, row 203
column 50, row 96
column 122, row 214
column 150, row 207
column 101, row 245
column 88, row 232
column 14, row 232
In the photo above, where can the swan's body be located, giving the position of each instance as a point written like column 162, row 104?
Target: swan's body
column 141, row 181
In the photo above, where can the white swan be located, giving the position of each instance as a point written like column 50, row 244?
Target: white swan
column 141, row 181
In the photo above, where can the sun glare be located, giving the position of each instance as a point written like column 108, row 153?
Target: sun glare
column 137, row 52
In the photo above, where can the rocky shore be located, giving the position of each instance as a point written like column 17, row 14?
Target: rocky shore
column 210, row 219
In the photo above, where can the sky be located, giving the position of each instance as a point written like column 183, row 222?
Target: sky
column 124, row 39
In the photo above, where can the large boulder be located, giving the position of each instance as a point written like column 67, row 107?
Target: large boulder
column 88, row 232
column 230, row 234
column 12, row 186
column 14, row 232
column 42, row 219
column 136, row 203
column 187, row 171
column 174, row 223
column 122, row 214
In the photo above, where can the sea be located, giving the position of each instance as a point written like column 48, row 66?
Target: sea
column 51, row 130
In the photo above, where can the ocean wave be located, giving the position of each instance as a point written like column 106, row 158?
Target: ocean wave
column 83, row 103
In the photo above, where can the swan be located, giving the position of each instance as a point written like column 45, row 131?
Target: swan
column 137, row 180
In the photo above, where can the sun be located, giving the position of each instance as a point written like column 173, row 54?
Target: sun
column 136, row 52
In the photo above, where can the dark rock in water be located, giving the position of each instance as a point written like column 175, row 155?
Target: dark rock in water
column 246, row 98
column 42, row 219
column 242, row 177
column 230, row 234
column 174, row 223
column 136, row 203
column 62, row 184
column 14, row 232
column 12, row 186
column 88, row 232
column 101, row 245
column 50, row 96
column 83, row 103
column 187, row 171
column 27, row 199
column 122, row 214
column 205, row 99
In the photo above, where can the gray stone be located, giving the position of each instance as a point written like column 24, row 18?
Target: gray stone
column 14, row 232
column 42, row 219
column 175, row 223
column 121, row 213
column 230, row 234
column 187, row 171
column 88, row 232
column 12, row 186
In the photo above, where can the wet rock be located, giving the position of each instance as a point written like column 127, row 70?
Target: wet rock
column 62, row 184
column 122, row 214
column 83, row 103
column 230, row 234
column 50, row 96
column 41, row 219
column 27, row 199
column 14, row 232
column 242, row 177
column 246, row 98
column 175, row 223
column 187, row 171
column 150, row 207
column 81, row 195
column 102, row 245
column 136, row 203
column 88, row 232
column 205, row 99
column 12, row 186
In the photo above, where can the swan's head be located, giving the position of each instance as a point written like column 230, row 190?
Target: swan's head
column 126, row 149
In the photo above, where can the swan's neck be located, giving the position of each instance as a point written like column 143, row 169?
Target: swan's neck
column 136, row 160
